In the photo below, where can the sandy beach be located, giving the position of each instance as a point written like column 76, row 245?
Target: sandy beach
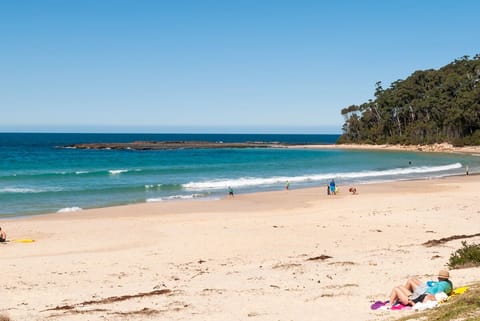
column 433, row 148
column 284, row 255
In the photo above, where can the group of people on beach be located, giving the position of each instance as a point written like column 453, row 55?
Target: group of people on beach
column 332, row 188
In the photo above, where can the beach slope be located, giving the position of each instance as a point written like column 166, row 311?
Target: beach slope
column 284, row 255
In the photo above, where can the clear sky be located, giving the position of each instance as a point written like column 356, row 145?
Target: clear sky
column 215, row 66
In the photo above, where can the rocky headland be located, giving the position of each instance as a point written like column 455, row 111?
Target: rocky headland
column 162, row 145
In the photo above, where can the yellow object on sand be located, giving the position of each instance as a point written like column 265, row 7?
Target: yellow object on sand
column 24, row 240
column 460, row 290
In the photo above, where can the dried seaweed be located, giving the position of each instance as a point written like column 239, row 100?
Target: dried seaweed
column 144, row 311
column 431, row 243
column 112, row 299
column 321, row 257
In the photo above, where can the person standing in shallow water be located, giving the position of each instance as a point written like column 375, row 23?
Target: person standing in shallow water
column 230, row 191
column 287, row 185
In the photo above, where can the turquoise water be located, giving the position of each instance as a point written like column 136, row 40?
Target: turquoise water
column 38, row 176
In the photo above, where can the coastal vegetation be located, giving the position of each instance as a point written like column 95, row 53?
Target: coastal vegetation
column 430, row 106
column 467, row 256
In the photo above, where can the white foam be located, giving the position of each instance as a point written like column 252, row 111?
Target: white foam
column 257, row 181
column 117, row 171
column 81, row 172
column 173, row 197
column 150, row 186
column 401, row 171
column 240, row 182
column 69, row 209
column 19, row 190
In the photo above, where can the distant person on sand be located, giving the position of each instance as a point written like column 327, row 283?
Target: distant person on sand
column 328, row 189
column 3, row 235
column 415, row 291
column 230, row 191
column 333, row 189
column 466, row 170
column 287, row 185
column 353, row 190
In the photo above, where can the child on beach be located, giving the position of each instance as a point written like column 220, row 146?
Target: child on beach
column 333, row 188
column 3, row 235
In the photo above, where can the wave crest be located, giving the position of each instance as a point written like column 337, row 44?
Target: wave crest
column 257, row 181
column 174, row 197
column 69, row 209
column 117, row 171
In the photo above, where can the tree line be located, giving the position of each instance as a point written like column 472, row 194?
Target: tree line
column 430, row 106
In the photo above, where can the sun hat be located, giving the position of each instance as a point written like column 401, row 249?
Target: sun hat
column 443, row 274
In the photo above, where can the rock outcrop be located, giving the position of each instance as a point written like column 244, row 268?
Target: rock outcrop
column 161, row 145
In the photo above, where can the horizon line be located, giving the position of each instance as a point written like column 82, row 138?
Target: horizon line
column 98, row 129
column 167, row 133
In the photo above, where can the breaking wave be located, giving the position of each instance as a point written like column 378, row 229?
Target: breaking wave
column 257, row 181
column 174, row 197
column 69, row 209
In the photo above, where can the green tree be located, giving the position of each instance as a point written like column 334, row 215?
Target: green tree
column 429, row 106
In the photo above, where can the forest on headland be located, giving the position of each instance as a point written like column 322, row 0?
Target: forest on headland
column 430, row 106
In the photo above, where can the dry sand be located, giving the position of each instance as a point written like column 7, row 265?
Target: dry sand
column 254, row 257
column 433, row 148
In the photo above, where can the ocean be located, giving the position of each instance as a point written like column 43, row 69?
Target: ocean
column 39, row 175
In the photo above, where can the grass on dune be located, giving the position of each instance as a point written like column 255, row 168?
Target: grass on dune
column 464, row 307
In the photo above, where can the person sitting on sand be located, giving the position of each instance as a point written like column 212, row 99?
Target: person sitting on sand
column 3, row 235
column 353, row 190
column 415, row 291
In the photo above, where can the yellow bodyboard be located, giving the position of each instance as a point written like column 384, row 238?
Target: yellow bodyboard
column 24, row 241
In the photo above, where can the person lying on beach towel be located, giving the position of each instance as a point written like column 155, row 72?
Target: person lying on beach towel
column 415, row 291
column 419, row 306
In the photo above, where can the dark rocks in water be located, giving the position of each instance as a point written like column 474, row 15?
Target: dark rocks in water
column 160, row 145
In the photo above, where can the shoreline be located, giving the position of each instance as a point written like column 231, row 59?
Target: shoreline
column 318, row 189
column 434, row 148
column 254, row 256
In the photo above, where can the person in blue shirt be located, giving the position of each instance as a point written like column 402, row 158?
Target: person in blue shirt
column 333, row 189
column 416, row 291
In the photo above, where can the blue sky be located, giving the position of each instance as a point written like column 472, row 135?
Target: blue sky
column 215, row 66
